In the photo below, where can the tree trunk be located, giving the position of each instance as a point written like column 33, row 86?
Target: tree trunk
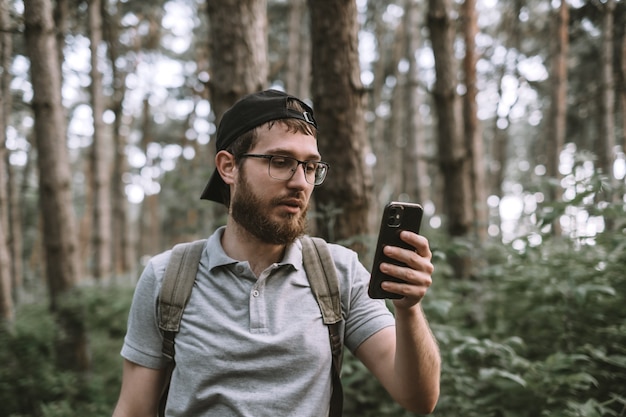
column 378, row 127
column 7, row 313
column 454, row 158
column 473, row 132
column 238, row 50
column 343, row 201
column 416, row 178
column 59, row 229
column 100, row 157
column 556, row 122
column 298, row 77
column 150, row 226
column 61, row 23
column 238, row 59
column 6, row 287
column 396, row 140
column 623, row 91
column 606, row 137
column 121, row 255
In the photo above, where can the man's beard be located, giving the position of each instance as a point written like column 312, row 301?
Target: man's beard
column 252, row 214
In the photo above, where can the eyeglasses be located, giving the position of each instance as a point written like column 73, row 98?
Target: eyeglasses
column 284, row 167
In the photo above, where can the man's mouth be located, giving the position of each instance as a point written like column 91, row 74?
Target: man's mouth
column 293, row 205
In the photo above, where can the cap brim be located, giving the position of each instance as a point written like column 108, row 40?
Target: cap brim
column 215, row 189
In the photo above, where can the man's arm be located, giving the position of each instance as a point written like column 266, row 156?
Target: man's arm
column 141, row 390
column 406, row 359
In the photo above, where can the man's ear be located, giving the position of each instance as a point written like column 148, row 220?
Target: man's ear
column 226, row 166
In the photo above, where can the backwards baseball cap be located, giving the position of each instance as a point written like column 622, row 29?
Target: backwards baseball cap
column 249, row 112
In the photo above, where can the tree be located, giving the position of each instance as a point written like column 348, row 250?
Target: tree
column 14, row 228
column 100, row 157
column 606, row 137
column 55, row 199
column 237, row 57
column 415, row 173
column 558, row 106
column 237, row 50
column 344, row 200
column 454, row 157
column 622, row 95
column 298, row 71
column 121, row 256
column 6, row 288
column 473, row 131
column 59, row 229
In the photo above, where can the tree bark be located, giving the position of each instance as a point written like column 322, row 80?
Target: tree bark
column 557, row 119
column 100, row 157
column 473, row 132
column 7, row 313
column 416, row 177
column 453, row 154
column 344, row 200
column 6, row 287
column 238, row 59
column 150, row 242
column 14, row 229
column 377, row 128
column 238, row 50
column 606, row 138
column 298, row 73
column 121, row 252
column 59, row 229
column 623, row 91
column 55, row 198
column 454, row 157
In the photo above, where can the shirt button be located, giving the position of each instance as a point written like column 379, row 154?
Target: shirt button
column 255, row 293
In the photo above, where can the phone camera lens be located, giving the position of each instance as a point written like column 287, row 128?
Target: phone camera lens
column 394, row 218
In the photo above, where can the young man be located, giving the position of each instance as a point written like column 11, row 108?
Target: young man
column 252, row 341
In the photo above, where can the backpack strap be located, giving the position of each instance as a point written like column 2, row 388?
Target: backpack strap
column 180, row 275
column 322, row 276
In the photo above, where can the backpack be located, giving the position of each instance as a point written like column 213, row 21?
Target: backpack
column 180, row 275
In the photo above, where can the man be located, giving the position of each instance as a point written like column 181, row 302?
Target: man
column 252, row 342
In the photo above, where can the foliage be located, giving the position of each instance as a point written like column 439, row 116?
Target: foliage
column 32, row 382
column 541, row 333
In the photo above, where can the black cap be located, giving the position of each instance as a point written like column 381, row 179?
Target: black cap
column 249, row 112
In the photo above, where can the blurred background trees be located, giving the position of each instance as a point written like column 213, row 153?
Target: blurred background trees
column 505, row 120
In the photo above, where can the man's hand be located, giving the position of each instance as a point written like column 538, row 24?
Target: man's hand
column 416, row 275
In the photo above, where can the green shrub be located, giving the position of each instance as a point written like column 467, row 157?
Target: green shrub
column 31, row 380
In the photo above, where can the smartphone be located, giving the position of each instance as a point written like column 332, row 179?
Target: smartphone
column 396, row 217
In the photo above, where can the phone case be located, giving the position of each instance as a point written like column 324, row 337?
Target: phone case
column 396, row 217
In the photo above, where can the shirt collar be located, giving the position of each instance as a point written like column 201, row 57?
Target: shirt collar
column 217, row 256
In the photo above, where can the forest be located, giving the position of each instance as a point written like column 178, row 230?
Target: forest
column 505, row 120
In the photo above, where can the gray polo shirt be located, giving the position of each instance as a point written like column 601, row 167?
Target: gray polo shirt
column 251, row 346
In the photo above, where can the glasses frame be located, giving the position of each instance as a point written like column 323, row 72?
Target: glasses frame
column 293, row 171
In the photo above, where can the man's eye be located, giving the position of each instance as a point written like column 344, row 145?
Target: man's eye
column 280, row 162
column 310, row 167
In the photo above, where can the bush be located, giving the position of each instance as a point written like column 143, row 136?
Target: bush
column 31, row 380
column 537, row 333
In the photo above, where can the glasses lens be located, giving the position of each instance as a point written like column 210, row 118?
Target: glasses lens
column 282, row 167
column 320, row 173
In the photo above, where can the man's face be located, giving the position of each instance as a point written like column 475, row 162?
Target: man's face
column 274, row 211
